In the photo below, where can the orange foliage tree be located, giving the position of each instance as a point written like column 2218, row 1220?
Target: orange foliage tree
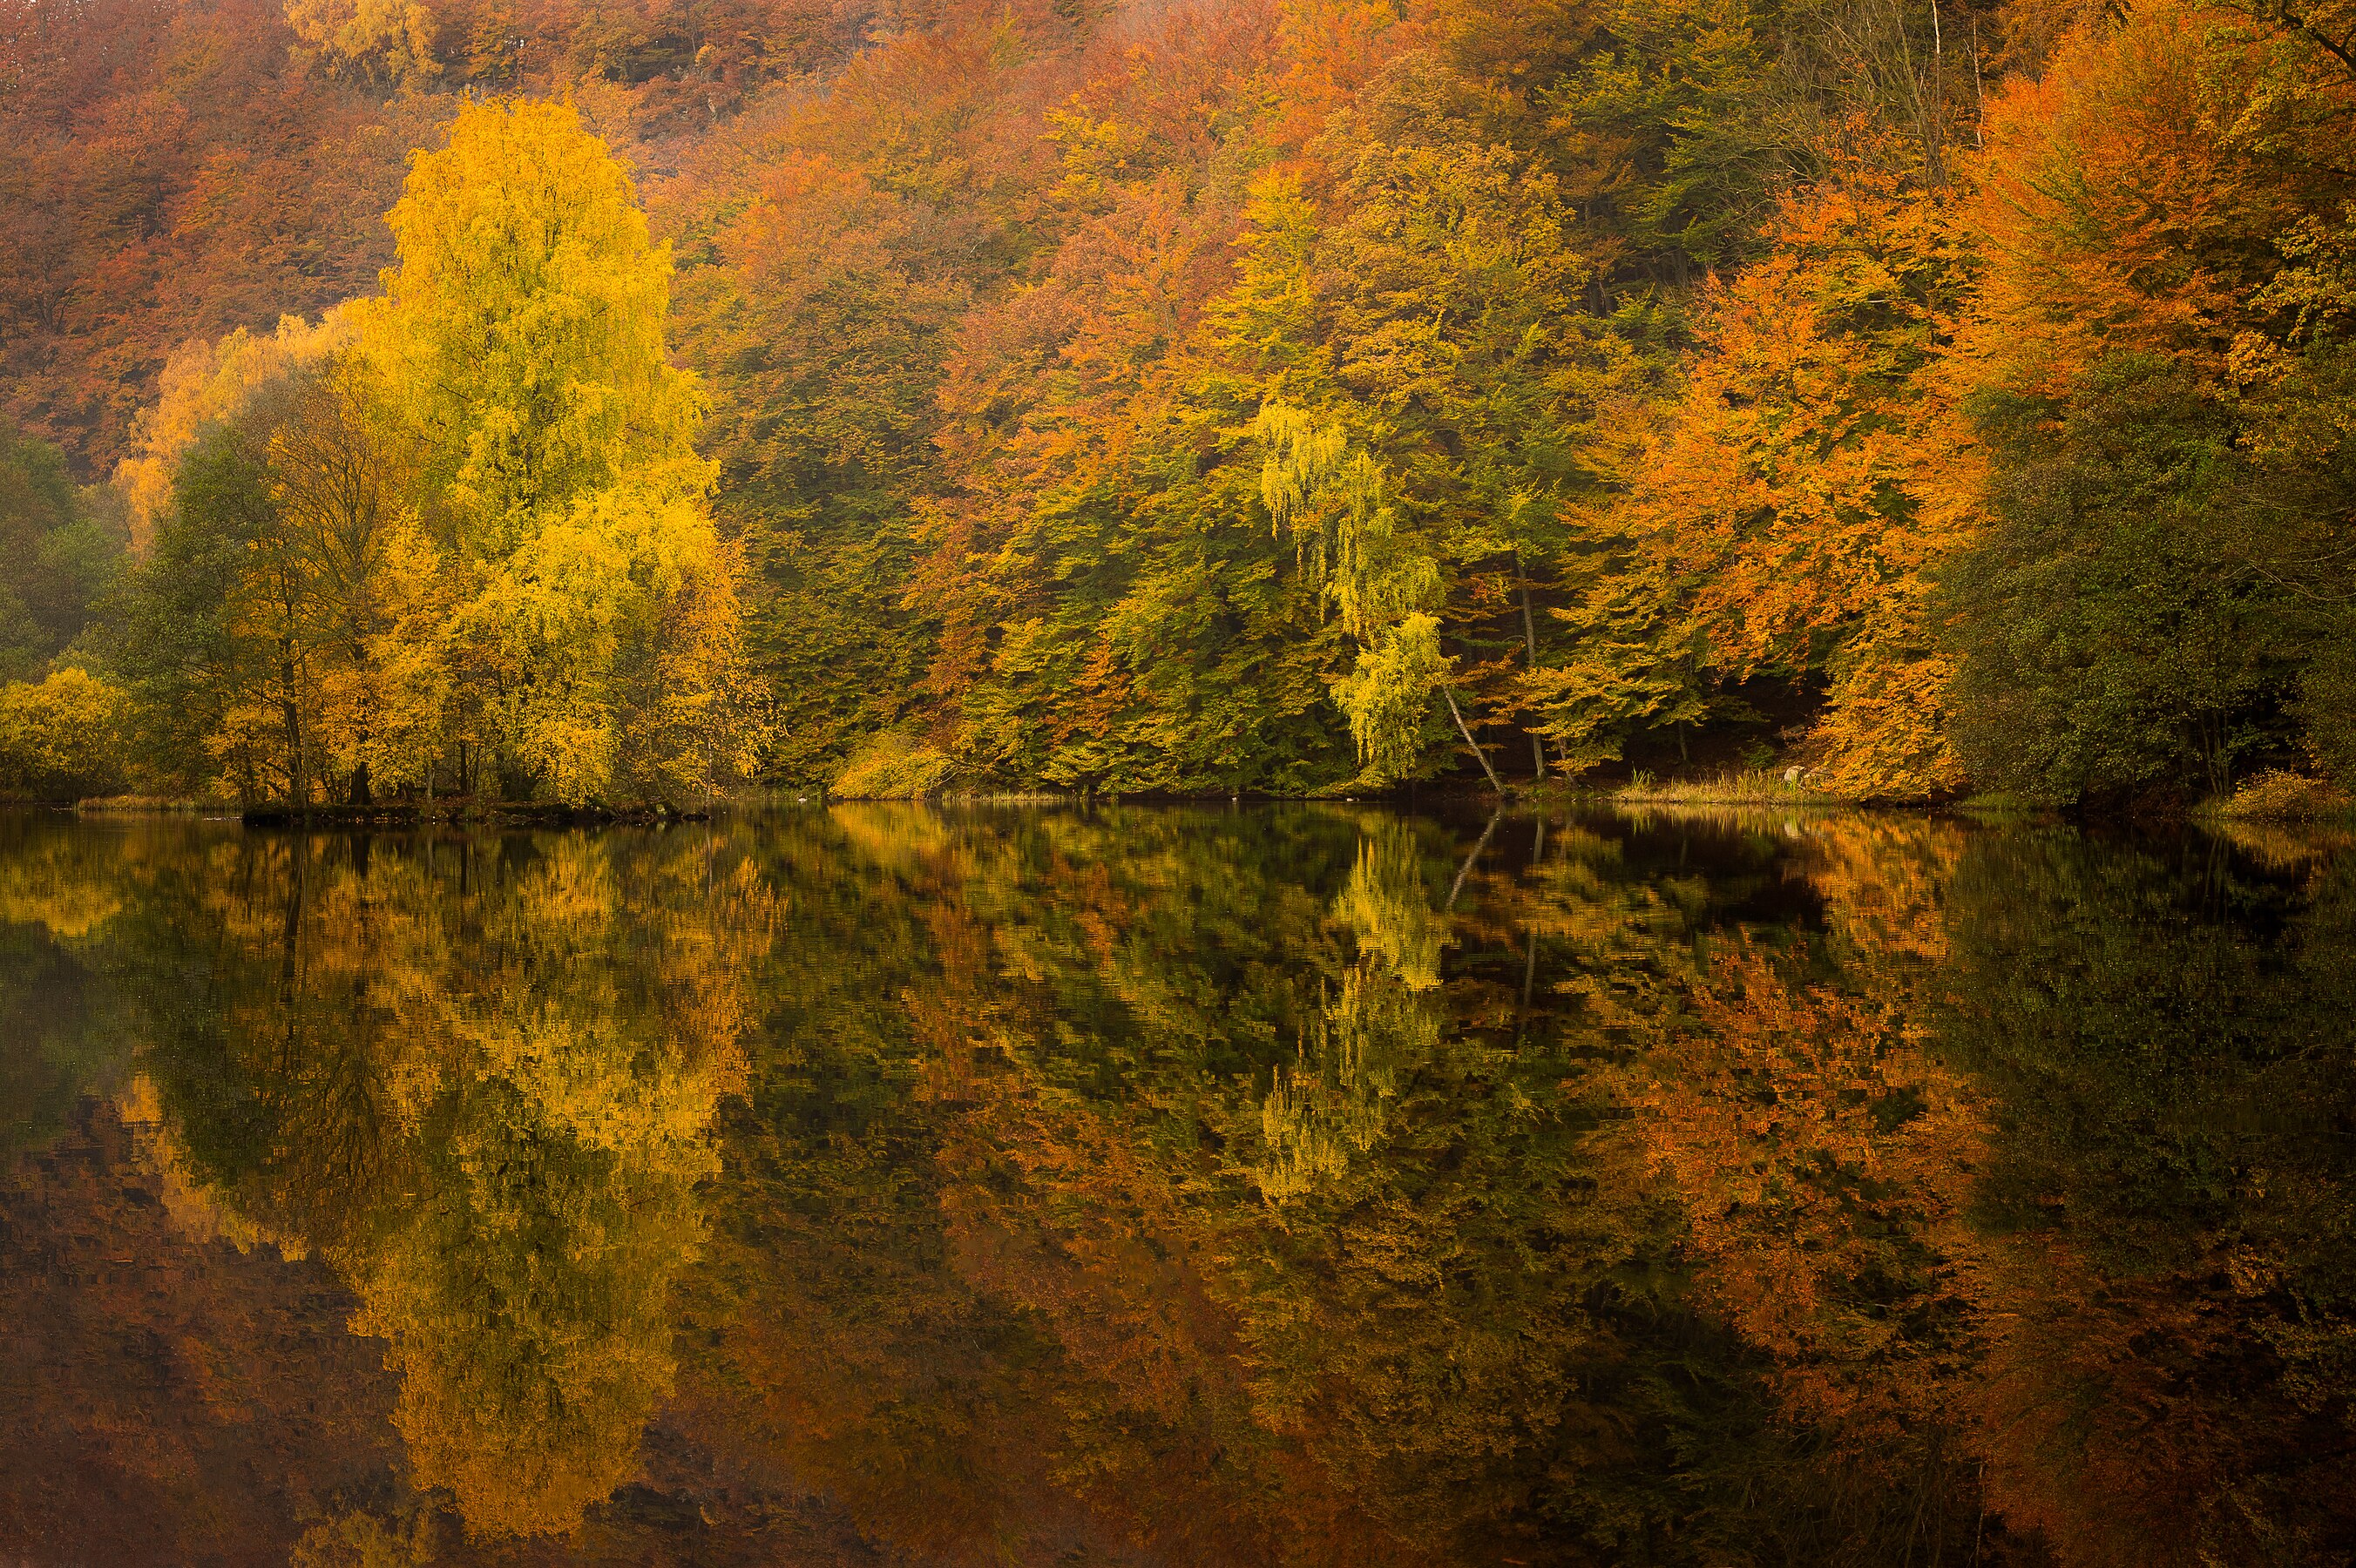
column 1813, row 473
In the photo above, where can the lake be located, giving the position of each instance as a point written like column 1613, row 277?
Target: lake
column 1304, row 1185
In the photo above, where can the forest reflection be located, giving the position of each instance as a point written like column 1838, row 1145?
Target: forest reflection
column 1300, row 1185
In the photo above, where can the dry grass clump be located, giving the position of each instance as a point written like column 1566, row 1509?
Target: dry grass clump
column 142, row 804
column 1753, row 786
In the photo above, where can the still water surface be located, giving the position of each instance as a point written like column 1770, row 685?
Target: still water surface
column 1306, row 1186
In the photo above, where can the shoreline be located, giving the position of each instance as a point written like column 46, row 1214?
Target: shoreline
column 1717, row 795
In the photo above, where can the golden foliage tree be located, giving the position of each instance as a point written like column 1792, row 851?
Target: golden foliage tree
column 457, row 534
column 520, row 344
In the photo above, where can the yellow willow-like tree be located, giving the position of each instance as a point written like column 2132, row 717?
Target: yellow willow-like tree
column 521, row 344
column 1335, row 502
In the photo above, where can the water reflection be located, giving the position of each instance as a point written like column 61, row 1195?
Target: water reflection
column 1302, row 1186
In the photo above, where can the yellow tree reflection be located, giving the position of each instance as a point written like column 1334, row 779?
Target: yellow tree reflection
column 1332, row 1103
column 482, row 1077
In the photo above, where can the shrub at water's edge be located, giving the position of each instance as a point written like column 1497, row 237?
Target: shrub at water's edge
column 59, row 738
column 2279, row 797
column 893, row 767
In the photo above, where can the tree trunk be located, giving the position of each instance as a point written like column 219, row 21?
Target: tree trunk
column 298, row 782
column 1472, row 860
column 1530, row 643
column 1462, row 729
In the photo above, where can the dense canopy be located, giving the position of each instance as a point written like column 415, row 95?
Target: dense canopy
column 1202, row 396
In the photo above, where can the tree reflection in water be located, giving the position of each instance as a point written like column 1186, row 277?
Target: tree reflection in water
column 1295, row 1185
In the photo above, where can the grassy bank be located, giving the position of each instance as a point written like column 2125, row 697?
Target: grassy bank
column 2278, row 796
column 1753, row 786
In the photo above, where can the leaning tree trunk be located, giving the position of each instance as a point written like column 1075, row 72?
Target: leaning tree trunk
column 1478, row 754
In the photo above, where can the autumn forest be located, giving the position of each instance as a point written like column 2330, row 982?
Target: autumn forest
column 1178, row 784
column 577, row 402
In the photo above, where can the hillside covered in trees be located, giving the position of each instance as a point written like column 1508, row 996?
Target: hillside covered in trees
column 580, row 401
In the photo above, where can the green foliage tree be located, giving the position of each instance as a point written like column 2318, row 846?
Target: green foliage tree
column 2160, row 1032
column 57, row 556
column 2169, row 552
column 2120, row 625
